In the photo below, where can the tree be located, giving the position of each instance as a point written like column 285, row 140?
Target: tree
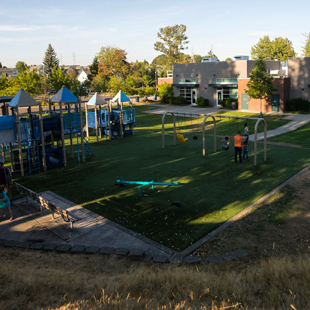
column 31, row 82
column 58, row 78
column 228, row 59
column 21, row 66
column 99, row 83
column 113, row 62
column 278, row 49
column 0, row 64
column 160, row 60
column 282, row 49
column 306, row 47
column 77, row 89
column 50, row 60
column 261, row 49
column 73, row 74
column 173, row 41
column 260, row 84
column 93, row 69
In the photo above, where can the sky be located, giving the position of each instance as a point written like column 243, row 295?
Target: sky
column 78, row 29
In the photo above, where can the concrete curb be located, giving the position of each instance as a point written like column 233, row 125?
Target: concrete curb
column 136, row 254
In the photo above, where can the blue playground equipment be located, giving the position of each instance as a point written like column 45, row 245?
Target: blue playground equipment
column 41, row 139
column 114, row 122
column 146, row 183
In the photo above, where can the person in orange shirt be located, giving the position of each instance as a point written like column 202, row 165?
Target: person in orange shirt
column 238, row 146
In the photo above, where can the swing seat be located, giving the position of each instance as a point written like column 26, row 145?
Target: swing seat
column 181, row 138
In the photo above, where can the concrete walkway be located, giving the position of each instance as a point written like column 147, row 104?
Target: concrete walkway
column 92, row 233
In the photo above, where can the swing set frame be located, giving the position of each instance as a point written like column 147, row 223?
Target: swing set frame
column 213, row 116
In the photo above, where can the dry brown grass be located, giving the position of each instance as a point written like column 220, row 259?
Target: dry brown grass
column 40, row 280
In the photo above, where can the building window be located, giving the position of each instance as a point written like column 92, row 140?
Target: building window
column 226, row 81
column 193, row 81
column 230, row 93
column 186, row 92
column 169, row 74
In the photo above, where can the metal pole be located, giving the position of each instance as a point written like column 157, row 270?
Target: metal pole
column 265, row 140
column 87, row 130
column 163, row 130
column 81, row 131
column 42, row 137
column 96, row 123
column 19, row 143
column 174, row 131
column 62, row 135
column 121, row 120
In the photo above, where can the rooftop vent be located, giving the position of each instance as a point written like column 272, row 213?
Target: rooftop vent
column 209, row 59
column 242, row 58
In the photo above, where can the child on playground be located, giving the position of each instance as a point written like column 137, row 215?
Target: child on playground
column 238, row 140
column 4, row 203
column 246, row 130
column 245, row 149
column 225, row 144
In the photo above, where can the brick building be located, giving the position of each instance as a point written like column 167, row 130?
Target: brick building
column 218, row 81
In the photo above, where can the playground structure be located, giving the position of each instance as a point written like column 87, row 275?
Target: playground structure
column 41, row 139
column 4, row 108
column 113, row 121
column 146, row 183
column 213, row 116
column 71, row 122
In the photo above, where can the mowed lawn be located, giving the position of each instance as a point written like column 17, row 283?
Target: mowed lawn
column 213, row 188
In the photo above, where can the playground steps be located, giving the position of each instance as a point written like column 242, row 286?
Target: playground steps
column 87, row 147
column 33, row 156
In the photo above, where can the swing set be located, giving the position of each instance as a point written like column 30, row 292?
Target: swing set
column 206, row 116
column 180, row 136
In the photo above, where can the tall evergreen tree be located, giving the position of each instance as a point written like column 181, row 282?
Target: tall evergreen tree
column 50, row 60
column 93, row 69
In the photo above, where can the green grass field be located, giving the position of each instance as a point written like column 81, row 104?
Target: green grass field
column 213, row 188
column 300, row 136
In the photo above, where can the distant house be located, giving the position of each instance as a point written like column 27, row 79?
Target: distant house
column 82, row 77
column 8, row 72
column 39, row 69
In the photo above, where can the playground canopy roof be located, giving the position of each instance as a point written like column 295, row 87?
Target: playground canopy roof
column 96, row 100
column 120, row 97
column 64, row 95
column 4, row 99
column 22, row 99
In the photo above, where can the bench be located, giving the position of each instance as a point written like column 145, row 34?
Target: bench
column 44, row 203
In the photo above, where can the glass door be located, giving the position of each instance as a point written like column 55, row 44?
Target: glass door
column 219, row 97
column 194, row 94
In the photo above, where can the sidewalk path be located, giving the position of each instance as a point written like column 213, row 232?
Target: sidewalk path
column 296, row 120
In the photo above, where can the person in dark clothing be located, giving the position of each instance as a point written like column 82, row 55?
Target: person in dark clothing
column 6, row 182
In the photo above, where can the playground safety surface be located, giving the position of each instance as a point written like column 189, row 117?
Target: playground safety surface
column 34, row 229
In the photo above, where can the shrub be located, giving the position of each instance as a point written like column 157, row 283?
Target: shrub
column 202, row 102
column 180, row 100
column 165, row 89
column 297, row 104
column 226, row 103
column 167, row 99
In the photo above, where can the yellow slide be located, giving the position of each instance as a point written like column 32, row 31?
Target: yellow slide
column 181, row 138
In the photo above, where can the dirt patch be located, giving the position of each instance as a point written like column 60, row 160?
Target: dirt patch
column 278, row 226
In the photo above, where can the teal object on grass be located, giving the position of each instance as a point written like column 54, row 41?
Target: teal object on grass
column 146, row 183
